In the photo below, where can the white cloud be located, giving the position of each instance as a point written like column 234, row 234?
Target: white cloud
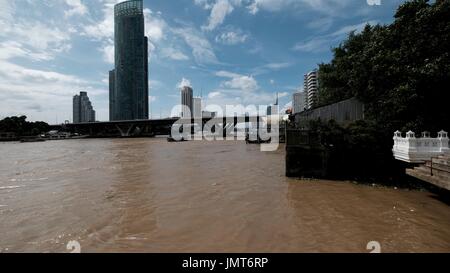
column 108, row 52
column 77, row 8
column 317, row 44
column 12, row 49
column 277, row 66
column 321, row 24
column 155, row 84
column 29, row 84
column 347, row 29
column 214, row 95
column 231, row 38
column 325, row 42
column 28, row 38
column 241, row 90
column 270, row 5
column 6, row 10
column 224, row 97
column 283, row 94
column 36, row 37
column 183, row 83
column 253, row 8
column 201, row 47
column 104, row 28
column 203, row 3
column 17, row 72
column 239, row 82
column 174, row 54
column 154, row 27
column 219, row 11
column 329, row 7
column 26, row 91
column 269, row 67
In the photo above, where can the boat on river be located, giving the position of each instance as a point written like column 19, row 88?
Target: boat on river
column 30, row 140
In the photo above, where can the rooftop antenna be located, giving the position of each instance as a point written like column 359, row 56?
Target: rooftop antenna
column 201, row 97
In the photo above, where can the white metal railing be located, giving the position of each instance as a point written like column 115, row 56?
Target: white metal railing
column 418, row 150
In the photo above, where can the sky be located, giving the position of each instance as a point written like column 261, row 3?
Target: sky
column 232, row 52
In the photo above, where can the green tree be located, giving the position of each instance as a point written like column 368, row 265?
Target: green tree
column 400, row 71
column 22, row 127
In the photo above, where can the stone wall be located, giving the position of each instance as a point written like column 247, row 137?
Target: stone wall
column 343, row 112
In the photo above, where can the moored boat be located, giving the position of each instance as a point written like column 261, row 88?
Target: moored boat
column 29, row 140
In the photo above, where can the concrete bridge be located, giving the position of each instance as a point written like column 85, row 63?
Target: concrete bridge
column 150, row 128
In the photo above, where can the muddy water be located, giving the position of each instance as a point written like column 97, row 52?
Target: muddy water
column 148, row 195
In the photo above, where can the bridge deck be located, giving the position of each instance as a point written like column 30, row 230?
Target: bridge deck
column 146, row 127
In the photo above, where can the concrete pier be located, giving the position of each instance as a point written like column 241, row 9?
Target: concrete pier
column 435, row 171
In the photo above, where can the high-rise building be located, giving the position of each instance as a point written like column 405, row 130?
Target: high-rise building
column 273, row 109
column 129, row 96
column 197, row 107
column 187, row 101
column 112, row 96
column 76, row 109
column 311, row 89
column 209, row 114
column 83, row 111
column 298, row 102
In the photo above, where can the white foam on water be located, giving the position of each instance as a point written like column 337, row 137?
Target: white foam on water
column 28, row 179
column 132, row 238
column 39, row 179
column 10, row 187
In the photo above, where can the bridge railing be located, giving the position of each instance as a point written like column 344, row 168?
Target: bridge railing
column 414, row 149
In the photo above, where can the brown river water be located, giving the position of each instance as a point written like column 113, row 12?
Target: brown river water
column 148, row 195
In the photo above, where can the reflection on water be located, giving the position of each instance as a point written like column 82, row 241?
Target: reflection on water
column 148, row 195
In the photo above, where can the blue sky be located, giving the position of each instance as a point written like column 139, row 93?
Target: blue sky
column 231, row 51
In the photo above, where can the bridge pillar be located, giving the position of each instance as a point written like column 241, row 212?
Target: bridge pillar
column 126, row 132
column 257, row 127
column 224, row 124
column 192, row 127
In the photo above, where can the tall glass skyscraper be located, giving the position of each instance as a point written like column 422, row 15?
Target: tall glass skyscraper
column 128, row 91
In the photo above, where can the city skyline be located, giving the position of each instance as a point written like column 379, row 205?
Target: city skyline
column 236, row 52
